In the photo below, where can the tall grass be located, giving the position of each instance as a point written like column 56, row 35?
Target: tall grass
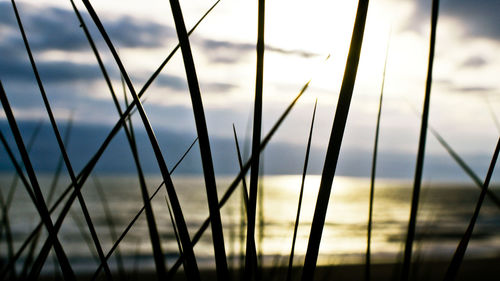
column 251, row 195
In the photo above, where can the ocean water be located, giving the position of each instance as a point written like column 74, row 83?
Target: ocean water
column 444, row 213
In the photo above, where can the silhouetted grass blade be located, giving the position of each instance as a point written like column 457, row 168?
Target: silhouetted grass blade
column 38, row 197
column 304, row 172
column 454, row 266
column 153, row 232
column 335, row 141
column 405, row 272
column 191, row 266
column 250, row 266
column 372, row 175
column 205, row 151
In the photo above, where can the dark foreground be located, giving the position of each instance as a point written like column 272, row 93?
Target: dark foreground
column 478, row 269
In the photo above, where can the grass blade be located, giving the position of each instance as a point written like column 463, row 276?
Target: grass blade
column 452, row 271
column 335, row 141
column 232, row 187
column 191, row 268
column 405, row 272
column 372, row 176
column 37, row 193
column 153, row 231
column 205, row 151
column 250, row 266
column 304, row 172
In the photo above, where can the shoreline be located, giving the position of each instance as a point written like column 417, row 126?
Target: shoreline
column 484, row 269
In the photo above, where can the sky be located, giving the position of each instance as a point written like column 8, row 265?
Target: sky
column 299, row 36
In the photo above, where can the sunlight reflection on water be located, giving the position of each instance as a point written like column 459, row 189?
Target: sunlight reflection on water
column 443, row 215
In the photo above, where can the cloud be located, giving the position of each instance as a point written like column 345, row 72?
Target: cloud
column 476, row 89
column 474, row 62
column 53, row 28
column 180, row 84
column 50, row 71
column 480, row 18
column 230, row 52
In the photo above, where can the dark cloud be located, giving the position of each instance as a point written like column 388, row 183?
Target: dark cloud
column 474, row 62
column 231, row 52
column 477, row 89
column 172, row 82
column 52, row 28
column 50, row 71
column 180, row 84
column 480, row 18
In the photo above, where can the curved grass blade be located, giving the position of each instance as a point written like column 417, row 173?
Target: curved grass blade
column 41, row 260
column 37, row 196
column 372, row 176
column 250, row 266
column 153, row 231
column 95, row 158
column 203, row 141
column 335, row 141
column 239, row 177
column 405, row 272
column 304, row 172
column 452, row 271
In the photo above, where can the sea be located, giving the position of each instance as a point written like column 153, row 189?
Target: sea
column 445, row 209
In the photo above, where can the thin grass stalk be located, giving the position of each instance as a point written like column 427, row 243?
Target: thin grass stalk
column 203, row 141
column 405, row 272
column 88, row 240
column 468, row 170
column 232, row 187
column 30, row 256
column 335, row 141
column 111, row 226
column 191, row 268
column 250, row 266
column 151, row 222
column 173, row 225
column 93, row 161
column 37, row 195
column 132, row 222
column 244, row 190
column 299, row 206
column 373, row 174
column 456, row 261
column 261, row 224
column 67, row 162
